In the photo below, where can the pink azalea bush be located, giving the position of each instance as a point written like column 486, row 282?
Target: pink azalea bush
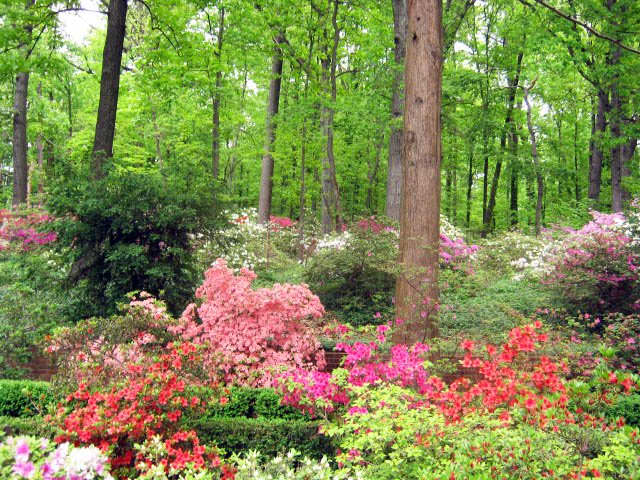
column 24, row 231
column 255, row 331
column 596, row 268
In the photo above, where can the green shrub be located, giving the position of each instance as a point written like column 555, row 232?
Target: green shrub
column 34, row 426
column 246, row 402
column 32, row 304
column 24, row 398
column 627, row 407
column 132, row 231
column 268, row 436
column 355, row 278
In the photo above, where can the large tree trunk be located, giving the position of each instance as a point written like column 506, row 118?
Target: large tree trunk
column 536, row 162
column 417, row 287
column 109, row 86
column 331, row 214
column 20, row 165
column 616, row 134
column 596, row 158
column 576, row 178
column 513, row 85
column 273, row 103
column 469, row 184
column 394, row 173
column 215, row 131
column 515, row 171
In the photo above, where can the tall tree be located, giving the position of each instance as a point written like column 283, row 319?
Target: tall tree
column 19, row 141
column 394, row 172
column 109, row 86
column 273, row 104
column 417, row 287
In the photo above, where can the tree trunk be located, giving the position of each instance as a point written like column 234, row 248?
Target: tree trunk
column 20, row 164
column 515, row 171
column 616, row 134
column 394, row 173
column 536, row 162
column 576, row 179
column 469, row 184
column 597, row 132
column 215, row 131
column 273, row 103
column 331, row 214
column 109, row 86
column 513, row 85
column 417, row 288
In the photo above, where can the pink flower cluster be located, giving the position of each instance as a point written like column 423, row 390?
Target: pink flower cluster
column 24, row 230
column 255, row 331
column 281, row 222
column 455, row 252
column 366, row 364
column 598, row 256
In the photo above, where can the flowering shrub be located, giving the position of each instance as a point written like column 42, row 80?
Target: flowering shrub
column 290, row 466
column 596, row 268
column 96, row 351
column 243, row 242
column 40, row 459
column 150, row 401
column 256, row 331
column 392, row 418
column 24, row 230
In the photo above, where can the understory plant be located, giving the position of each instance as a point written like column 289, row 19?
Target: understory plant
column 596, row 267
column 513, row 414
column 148, row 402
column 255, row 332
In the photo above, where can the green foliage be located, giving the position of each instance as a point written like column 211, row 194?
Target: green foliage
column 627, row 407
column 24, row 398
column 32, row 304
column 132, row 231
column 355, row 281
column 36, row 426
column 488, row 310
column 244, row 402
column 268, row 436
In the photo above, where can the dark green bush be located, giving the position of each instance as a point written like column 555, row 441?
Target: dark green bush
column 24, row 398
column 356, row 281
column 269, row 437
column 253, row 402
column 35, row 426
column 627, row 407
column 132, row 231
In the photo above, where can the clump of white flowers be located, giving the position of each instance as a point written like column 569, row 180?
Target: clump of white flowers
column 290, row 467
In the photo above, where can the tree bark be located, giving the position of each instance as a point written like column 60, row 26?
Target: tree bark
column 109, row 86
column 515, row 172
column 536, row 162
column 576, row 178
column 616, row 134
column 394, row 172
column 417, row 287
column 597, row 156
column 273, row 103
column 469, row 184
column 331, row 214
column 20, row 164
